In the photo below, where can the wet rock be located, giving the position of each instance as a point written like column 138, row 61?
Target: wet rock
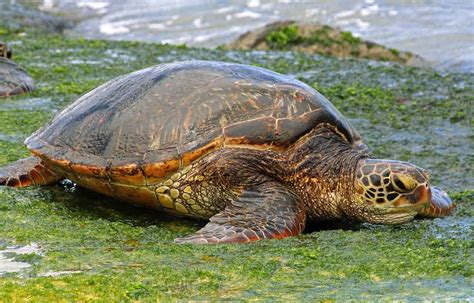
column 14, row 80
column 319, row 39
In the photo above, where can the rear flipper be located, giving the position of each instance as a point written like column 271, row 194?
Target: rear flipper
column 441, row 205
column 27, row 172
column 266, row 211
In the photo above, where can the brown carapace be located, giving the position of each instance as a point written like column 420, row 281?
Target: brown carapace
column 13, row 79
column 256, row 153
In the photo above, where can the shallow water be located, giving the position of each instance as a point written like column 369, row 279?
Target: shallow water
column 441, row 31
column 27, row 104
column 8, row 264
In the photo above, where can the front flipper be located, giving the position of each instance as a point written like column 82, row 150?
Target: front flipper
column 266, row 211
column 27, row 172
column 440, row 206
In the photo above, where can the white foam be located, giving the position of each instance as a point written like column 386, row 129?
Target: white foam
column 7, row 264
column 22, row 250
column 224, row 10
column 311, row 12
column 113, row 29
column 392, row 12
column 236, row 29
column 344, row 14
column 197, row 22
column 157, row 26
column 172, row 20
column 361, row 24
column 47, row 5
column 95, row 5
column 343, row 22
column 179, row 40
column 369, row 10
column 253, row 3
column 248, row 14
column 89, row 62
column 203, row 38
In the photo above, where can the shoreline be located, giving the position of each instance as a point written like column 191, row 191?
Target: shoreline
column 79, row 22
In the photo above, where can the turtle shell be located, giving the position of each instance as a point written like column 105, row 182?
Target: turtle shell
column 13, row 79
column 141, row 127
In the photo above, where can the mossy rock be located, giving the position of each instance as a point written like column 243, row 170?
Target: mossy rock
column 319, row 39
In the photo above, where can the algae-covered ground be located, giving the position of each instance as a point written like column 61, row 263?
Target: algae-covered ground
column 86, row 247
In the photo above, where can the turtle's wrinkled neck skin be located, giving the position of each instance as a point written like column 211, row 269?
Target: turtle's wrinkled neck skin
column 336, row 180
column 322, row 172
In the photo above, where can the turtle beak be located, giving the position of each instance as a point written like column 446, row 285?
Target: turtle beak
column 427, row 196
column 440, row 204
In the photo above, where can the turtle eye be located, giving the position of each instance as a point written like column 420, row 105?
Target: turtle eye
column 404, row 183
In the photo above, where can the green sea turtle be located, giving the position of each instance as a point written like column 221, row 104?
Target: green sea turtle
column 13, row 79
column 257, row 153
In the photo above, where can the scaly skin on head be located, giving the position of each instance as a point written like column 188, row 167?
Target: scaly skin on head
column 395, row 191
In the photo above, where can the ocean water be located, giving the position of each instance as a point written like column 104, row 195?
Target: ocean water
column 441, row 31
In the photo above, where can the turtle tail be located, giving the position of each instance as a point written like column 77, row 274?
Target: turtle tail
column 27, row 172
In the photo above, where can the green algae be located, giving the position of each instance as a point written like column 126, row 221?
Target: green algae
column 283, row 37
column 349, row 38
column 97, row 249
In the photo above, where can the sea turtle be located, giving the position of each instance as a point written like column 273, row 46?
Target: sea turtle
column 257, row 153
column 13, row 79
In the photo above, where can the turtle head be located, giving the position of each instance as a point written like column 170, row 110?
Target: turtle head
column 390, row 192
column 5, row 50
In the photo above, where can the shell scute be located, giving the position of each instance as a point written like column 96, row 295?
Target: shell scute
column 157, row 166
column 127, row 174
column 197, row 149
column 259, row 131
